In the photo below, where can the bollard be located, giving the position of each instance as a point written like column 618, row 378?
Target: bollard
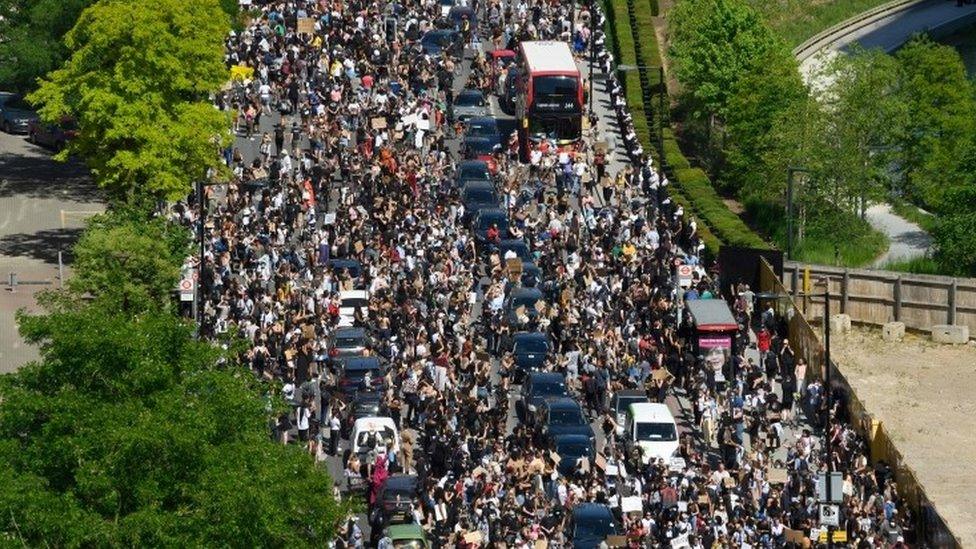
column 13, row 282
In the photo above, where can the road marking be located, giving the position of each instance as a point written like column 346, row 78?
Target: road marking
column 80, row 213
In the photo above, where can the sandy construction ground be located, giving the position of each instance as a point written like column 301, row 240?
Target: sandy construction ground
column 923, row 393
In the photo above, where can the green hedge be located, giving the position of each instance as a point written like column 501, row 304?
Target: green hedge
column 691, row 187
column 707, row 203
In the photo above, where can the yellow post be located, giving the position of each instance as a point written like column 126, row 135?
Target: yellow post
column 806, row 289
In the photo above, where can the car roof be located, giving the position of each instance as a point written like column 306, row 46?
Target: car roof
column 406, row 531
column 527, row 292
column 651, row 411
column 477, row 185
column 530, row 335
column 477, row 139
column 492, row 212
column 360, row 363
column 470, row 91
column 349, row 332
column 472, row 164
column 591, row 509
column 546, row 376
column 402, row 481
column 571, row 438
column 630, row 393
column 481, row 120
column 563, row 403
column 512, row 242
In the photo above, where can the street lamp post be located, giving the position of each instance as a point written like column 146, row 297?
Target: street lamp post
column 828, row 428
column 199, row 281
column 789, row 207
column 592, row 52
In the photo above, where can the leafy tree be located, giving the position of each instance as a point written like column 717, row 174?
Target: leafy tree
column 940, row 102
column 770, row 92
column 137, row 82
column 136, row 260
column 713, row 44
column 32, row 33
column 955, row 245
column 864, row 115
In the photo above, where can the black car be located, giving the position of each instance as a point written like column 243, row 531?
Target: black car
column 483, row 126
column 562, row 416
column 353, row 267
column 621, row 400
column 347, row 342
column 476, row 196
column 440, row 41
column 354, row 370
column 531, row 274
column 538, row 387
column 526, row 299
column 530, row 350
column 472, row 170
column 470, row 104
column 458, row 14
column 395, row 500
column 517, row 245
column 16, row 115
column 363, row 404
column 484, row 219
column 571, row 448
column 591, row 524
column 476, row 147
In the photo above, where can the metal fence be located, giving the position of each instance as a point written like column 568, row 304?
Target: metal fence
column 931, row 527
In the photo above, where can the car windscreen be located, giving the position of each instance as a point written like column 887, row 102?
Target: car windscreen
column 480, row 195
column 368, row 408
column 348, row 341
column 595, row 527
column 624, row 401
column 531, row 345
column 528, row 301
column 656, row 432
column 480, row 146
column 567, row 416
column 477, row 172
column 469, row 99
column 408, row 544
column 355, row 302
column 482, row 128
column 372, row 439
column 542, row 388
column 574, row 449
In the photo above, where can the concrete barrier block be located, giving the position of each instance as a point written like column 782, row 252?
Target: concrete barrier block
column 893, row 331
column 840, row 324
column 950, row 333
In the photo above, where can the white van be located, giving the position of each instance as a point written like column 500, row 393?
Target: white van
column 375, row 435
column 651, row 428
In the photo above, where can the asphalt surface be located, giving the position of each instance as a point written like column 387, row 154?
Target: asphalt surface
column 43, row 205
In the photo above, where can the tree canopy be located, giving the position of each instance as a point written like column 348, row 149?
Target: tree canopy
column 137, row 81
column 129, row 432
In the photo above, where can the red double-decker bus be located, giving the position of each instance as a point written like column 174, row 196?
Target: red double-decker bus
column 549, row 100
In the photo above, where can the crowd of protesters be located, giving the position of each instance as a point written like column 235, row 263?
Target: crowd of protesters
column 360, row 166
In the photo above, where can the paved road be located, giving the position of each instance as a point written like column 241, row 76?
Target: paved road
column 43, row 205
column 906, row 239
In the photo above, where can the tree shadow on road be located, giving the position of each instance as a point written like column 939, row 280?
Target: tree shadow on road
column 41, row 245
column 40, row 176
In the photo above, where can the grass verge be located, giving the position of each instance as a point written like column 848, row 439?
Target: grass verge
column 797, row 20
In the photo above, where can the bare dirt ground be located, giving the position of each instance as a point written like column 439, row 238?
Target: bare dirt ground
column 923, row 394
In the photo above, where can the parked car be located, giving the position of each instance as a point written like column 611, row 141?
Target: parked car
column 408, row 536
column 440, row 41
column 53, row 136
column 591, row 524
column 530, row 350
column 472, row 170
column 537, row 387
column 395, row 501
column 483, row 126
column 481, row 148
column 571, row 448
column 526, row 299
column 354, row 371
column 470, row 103
column 476, row 196
column 363, row 404
column 16, row 115
column 484, row 219
column 348, row 341
column 621, row 400
column 562, row 416
column 351, row 266
column 349, row 302
column 531, row 274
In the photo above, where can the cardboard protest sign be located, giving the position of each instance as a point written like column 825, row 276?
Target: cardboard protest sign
column 306, row 25
column 378, row 123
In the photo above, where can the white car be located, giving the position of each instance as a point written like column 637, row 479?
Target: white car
column 651, row 428
column 349, row 301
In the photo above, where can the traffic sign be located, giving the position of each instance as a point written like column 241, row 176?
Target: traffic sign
column 829, row 514
column 684, row 275
column 187, row 289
